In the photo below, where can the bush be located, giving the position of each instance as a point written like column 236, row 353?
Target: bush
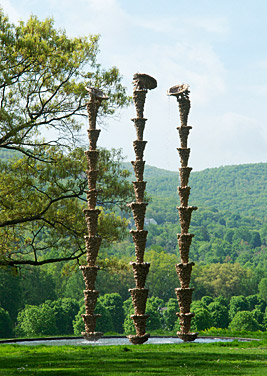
column 6, row 330
column 65, row 311
column 219, row 315
column 113, row 303
column 206, row 300
column 244, row 320
column 169, row 314
column 36, row 321
column 237, row 303
column 202, row 319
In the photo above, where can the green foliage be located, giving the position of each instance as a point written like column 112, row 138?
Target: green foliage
column 65, row 311
column 237, row 303
column 6, row 330
column 244, row 320
column 263, row 288
column 35, row 321
column 10, row 291
column 219, row 315
column 113, row 304
column 169, row 313
column 43, row 75
column 202, row 319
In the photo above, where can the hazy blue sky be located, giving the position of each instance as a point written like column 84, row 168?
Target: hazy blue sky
column 218, row 47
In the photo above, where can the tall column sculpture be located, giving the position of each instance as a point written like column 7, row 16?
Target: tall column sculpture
column 142, row 83
column 184, row 269
column 92, row 240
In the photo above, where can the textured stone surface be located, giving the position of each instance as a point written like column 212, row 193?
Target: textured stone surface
column 138, row 340
column 91, row 217
column 139, row 147
column 185, row 217
column 139, row 298
column 91, row 198
column 139, row 190
column 92, row 159
column 187, row 337
column 184, row 273
column 184, row 156
column 139, row 124
column 92, row 336
column 90, row 322
column 92, row 247
column 140, row 324
column 139, row 97
column 92, row 178
column 184, row 298
column 140, row 273
column 89, row 276
column 92, row 241
column 93, row 135
column 90, row 298
column 138, row 169
column 139, row 210
column 185, row 321
column 139, row 238
column 184, row 193
column 183, row 134
column 184, row 242
column 143, row 81
column 184, row 175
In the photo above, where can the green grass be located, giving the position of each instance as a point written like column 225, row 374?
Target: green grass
column 189, row 359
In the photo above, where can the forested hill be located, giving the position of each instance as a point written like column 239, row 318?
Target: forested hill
column 240, row 189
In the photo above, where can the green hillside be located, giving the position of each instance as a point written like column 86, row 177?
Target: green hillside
column 240, row 189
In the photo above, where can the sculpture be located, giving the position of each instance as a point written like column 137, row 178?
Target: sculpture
column 183, row 269
column 142, row 83
column 92, row 240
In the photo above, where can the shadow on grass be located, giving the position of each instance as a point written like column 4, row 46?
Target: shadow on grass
column 145, row 360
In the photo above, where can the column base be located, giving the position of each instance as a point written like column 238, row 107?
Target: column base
column 187, row 337
column 92, row 336
column 138, row 340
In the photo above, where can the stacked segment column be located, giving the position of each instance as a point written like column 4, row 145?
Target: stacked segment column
column 139, row 294
column 92, row 240
column 184, row 268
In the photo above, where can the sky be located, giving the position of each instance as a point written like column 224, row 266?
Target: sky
column 217, row 47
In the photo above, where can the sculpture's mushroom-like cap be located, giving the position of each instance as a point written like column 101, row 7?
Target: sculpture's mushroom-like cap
column 97, row 93
column 143, row 81
column 179, row 90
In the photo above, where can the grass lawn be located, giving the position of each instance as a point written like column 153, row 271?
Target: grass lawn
column 188, row 359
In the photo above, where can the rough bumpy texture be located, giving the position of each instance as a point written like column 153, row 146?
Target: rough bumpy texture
column 184, row 156
column 139, row 147
column 89, row 276
column 139, row 238
column 140, row 272
column 139, row 190
column 92, row 240
column 185, row 217
column 138, row 169
column 139, row 298
column 183, row 133
column 184, row 193
column 184, row 269
column 139, row 294
column 184, row 273
column 139, row 211
column 184, row 175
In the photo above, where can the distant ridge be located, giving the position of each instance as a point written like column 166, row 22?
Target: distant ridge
column 236, row 189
